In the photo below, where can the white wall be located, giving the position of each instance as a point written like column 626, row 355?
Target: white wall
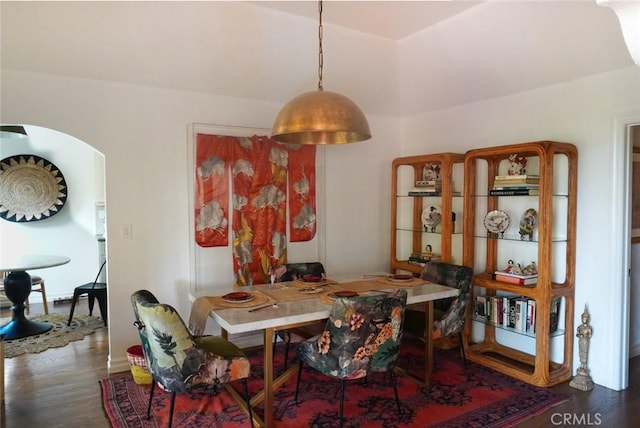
column 70, row 232
column 142, row 131
column 582, row 112
column 143, row 134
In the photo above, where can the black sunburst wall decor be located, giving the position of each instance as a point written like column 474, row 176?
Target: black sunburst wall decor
column 31, row 188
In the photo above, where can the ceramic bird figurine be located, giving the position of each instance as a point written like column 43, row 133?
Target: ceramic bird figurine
column 527, row 223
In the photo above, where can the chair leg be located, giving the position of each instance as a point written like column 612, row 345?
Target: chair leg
column 45, row 305
column 298, row 382
column 76, row 296
column 286, row 348
column 464, row 355
column 248, row 398
column 91, row 298
column 395, row 390
column 342, row 385
column 102, row 302
column 153, row 387
column 171, row 405
column 275, row 341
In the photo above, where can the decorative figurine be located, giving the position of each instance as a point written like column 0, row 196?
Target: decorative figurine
column 428, row 252
column 527, row 223
column 431, row 171
column 530, row 269
column 582, row 379
column 517, row 165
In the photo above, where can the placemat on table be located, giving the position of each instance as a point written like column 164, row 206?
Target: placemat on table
column 201, row 309
column 326, row 298
column 291, row 294
column 260, row 298
column 300, row 284
column 412, row 282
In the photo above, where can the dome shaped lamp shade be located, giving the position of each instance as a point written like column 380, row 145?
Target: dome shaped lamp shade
column 320, row 117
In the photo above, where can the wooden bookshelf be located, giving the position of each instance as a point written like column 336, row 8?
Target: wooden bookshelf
column 553, row 247
column 408, row 234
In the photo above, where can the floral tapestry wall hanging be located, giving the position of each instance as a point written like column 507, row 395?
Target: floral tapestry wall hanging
column 254, row 171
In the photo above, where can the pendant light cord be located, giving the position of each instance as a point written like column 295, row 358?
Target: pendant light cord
column 320, row 56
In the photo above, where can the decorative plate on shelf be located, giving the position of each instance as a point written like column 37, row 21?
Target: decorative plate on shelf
column 31, row 188
column 496, row 222
column 431, row 218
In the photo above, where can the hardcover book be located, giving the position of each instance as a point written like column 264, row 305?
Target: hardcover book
column 516, row 275
column 523, row 178
column 514, row 192
column 515, row 280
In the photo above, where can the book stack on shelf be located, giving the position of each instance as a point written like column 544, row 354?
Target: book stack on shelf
column 514, row 312
column 511, row 185
column 427, row 188
column 515, row 278
column 421, row 259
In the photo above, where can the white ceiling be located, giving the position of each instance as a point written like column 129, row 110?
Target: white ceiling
column 425, row 55
column 389, row 19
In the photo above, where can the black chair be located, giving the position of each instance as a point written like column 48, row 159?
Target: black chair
column 291, row 272
column 94, row 290
column 449, row 314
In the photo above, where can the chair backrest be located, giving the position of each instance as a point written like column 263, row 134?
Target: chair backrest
column 148, row 297
column 456, row 276
column 291, row 271
column 200, row 310
column 95, row 281
column 362, row 334
column 172, row 354
column 173, row 357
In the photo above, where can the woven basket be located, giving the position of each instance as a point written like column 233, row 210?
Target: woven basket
column 138, row 365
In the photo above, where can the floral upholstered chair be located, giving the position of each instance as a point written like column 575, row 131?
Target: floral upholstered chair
column 362, row 335
column 179, row 361
column 450, row 314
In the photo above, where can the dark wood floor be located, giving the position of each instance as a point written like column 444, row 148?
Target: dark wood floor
column 59, row 388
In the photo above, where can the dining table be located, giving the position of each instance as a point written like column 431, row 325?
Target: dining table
column 17, row 287
column 293, row 304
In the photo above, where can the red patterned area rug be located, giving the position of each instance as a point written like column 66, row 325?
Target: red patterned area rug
column 460, row 397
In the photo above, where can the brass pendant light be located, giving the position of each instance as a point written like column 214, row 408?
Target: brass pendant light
column 320, row 117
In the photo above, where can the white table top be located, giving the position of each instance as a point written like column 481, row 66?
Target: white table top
column 240, row 320
column 13, row 263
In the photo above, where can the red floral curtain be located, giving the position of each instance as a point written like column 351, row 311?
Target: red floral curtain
column 256, row 171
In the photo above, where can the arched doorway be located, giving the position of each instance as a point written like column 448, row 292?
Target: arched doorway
column 78, row 230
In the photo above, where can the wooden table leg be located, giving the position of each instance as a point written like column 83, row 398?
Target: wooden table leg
column 268, row 377
column 428, row 351
column 428, row 344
